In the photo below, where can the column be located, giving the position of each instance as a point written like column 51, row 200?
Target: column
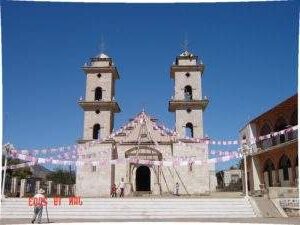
column 73, row 189
column 49, row 187
column 66, row 190
column 276, row 180
column 281, row 181
column 155, row 188
column 255, row 174
column 37, row 186
column 291, row 177
column 266, row 179
column 296, row 176
column 58, row 189
column 22, row 188
column 128, row 180
column 13, row 186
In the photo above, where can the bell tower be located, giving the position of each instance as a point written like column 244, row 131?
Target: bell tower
column 187, row 102
column 99, row 105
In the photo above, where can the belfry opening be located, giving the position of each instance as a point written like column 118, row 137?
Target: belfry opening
column 143, row 178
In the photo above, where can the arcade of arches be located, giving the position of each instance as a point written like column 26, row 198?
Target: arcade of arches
column 279, row 168
column 274, row 160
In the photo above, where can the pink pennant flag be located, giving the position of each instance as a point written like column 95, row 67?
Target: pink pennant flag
column 167, row 163
column 198, row 162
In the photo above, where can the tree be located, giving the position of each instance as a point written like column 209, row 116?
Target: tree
column 61, row 176
column 232, row 168
column 220, row 179
column 240, row 164
column 20, row 173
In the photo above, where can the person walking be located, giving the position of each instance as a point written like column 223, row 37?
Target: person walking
column 40, row 201
column 122, row 187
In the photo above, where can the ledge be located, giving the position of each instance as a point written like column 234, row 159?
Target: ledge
column 101, row 105
column 83, row 141
column 186, row 68
column 96, row 69
column 192, row 104
column 273, row 147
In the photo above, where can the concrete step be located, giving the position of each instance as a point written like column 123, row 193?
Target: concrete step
column 135, row 208
column 267, row 208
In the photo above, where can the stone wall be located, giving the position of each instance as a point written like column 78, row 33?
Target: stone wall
column 193, row 180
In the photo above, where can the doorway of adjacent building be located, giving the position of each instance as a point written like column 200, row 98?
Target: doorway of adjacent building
column 142, row 179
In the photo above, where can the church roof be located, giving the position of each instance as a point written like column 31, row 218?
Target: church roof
column 143, row 128
column 186, row 53
column 102, row 56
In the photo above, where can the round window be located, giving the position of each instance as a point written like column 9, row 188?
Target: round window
column 187, row 74
column 189, row 110
column 97, row 111
column 99, row 75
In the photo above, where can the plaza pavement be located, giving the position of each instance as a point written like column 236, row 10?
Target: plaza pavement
column 208, row 221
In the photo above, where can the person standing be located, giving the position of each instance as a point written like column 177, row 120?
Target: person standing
column 40, row 201
column 176, row 191
column 122, row 187
column 113, row 191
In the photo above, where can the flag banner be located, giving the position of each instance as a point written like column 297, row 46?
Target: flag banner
column 83, row 147
column 105, row 162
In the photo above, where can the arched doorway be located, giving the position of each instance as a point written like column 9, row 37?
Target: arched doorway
column 284, row 166
column 142, row 179
column 268, row 173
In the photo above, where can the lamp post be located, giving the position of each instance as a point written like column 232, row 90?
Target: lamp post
column 6, row 150
column 245, row 150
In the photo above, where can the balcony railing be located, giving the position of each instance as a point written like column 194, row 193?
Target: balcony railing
column 276, row 140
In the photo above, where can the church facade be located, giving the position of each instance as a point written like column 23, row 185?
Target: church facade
column 139, row 151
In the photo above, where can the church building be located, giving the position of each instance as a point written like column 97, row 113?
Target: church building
column 140, row 151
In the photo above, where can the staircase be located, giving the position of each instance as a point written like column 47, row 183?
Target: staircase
column 134, row 208
column 142, row 193
column 267, row 208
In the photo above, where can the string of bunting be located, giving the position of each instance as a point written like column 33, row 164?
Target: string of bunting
column 164, row 131
column 179, row 161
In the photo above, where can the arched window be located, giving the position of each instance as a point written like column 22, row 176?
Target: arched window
column 189, row 130
column 264, row 131
column 294, row 118
column 292, row 134
column 98, row 93
column 96, row 131
column 188, row 93
column 269, row 167
column 280, row 125
column 285, row 164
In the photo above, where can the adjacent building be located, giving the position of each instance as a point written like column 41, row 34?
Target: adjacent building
column 272, row 159
column 232, row 176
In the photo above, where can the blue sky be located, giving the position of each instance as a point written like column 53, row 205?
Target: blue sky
column 249, row 49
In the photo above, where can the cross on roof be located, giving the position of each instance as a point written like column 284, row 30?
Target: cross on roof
column 185, row 43
column 102, row 45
